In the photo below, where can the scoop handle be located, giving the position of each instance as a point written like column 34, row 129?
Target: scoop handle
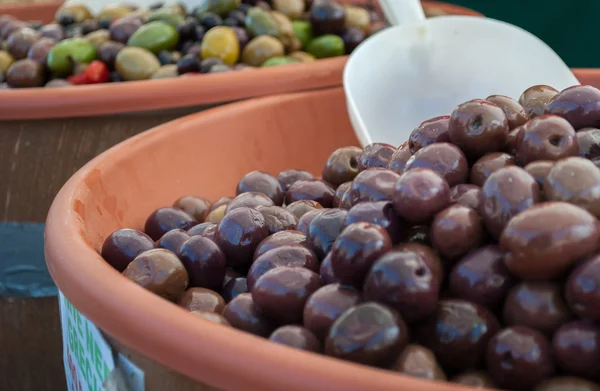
column 399, row 12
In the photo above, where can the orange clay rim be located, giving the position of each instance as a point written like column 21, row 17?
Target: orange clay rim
column 166, row 333
column 136, row 96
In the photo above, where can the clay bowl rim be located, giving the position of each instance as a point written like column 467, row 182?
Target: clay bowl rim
column 80, row 101
column 86, row 286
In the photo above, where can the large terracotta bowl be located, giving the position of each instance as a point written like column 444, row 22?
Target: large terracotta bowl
column 204, row 154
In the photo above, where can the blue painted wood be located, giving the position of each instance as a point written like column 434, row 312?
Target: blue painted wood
column 23, row 271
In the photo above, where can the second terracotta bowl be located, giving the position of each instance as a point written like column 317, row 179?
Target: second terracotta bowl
column 203, row 154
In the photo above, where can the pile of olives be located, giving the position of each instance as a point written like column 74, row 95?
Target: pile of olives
column 122, row 43
column 468, row 254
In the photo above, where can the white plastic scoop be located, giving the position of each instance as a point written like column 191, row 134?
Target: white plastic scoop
column 423, row 68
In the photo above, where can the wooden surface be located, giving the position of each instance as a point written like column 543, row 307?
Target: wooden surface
column 38, row 157
column 31, row 358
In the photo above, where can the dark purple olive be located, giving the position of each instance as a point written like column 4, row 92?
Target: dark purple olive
column 204, row 261
column 122, row 246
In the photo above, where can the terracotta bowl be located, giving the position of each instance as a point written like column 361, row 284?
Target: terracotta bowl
column 203, row 154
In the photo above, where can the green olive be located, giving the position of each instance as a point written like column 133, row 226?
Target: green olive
column 219, row 7
column 134, row 63
column 275, row 61
column 302, row 56
column 98, row 37
column 155, row 36
column 61, row 56
column 113, row 12
column 261, row 22
column 6, row 59
column 326, row 46
column 166, row 71
column 292, row 8
column 303, row 31
column 167, row 15
column 79, row 12
column 260, row 49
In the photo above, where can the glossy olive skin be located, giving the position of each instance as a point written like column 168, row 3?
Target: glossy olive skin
column 567, row 383
column 466, row 195
column 406, row 282
column 375, row 155
column 488, row 164
column 588, row 140
column 327, row 304
column 581, row 289
column 458, row 333
column 230, row 274
column 159, row 271
column 506, row 193
column 425, row 253
column 356, row 249
column 375, row 184
column 515, row 113
column 445, row 159
column 277, row 218
column 580, row 105
column 547, row 137
column 248, row 200
column 204, row 261
column 456, row 230
column 281, row 293
column 172, row 240
column 518, row 358
column 261, row 182
column 293, row 256
column 239, row 248
column 283, row 238
column 368, row 333
column 536, row 304
column 535, row 99
column 201, row 299
column 381, row 213
column 300, row 208
column 324, row 230
column 546, row 239
column 474, row 379
column 418, row 361
column 296, row 337
column 165, row 219
column 478, row 127
column 208, row 230
column 288, row 177
column 220, row 202
column 193, row 206
column 234, row 287
column 314, row 190
column 123, row 245
column 211, row 317
column 511, row 141
column 306, row 219
column 481, row 277
column 399, row 158
column 539, row 170
column 576, row 347
column 326, row 271
column 419, row 194
column 242, row 314
column 432, row 131
column 577, row 181
column 339, row 194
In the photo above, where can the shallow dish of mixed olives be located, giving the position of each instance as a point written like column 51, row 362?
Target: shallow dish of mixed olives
column 122, row 43
column 468, row 254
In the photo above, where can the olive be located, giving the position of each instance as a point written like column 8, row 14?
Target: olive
column 136, row 63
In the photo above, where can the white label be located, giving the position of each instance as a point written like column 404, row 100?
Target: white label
column 134, row 376
column 87, row 356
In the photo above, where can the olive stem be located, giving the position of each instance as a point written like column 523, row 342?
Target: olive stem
column 399, row 12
